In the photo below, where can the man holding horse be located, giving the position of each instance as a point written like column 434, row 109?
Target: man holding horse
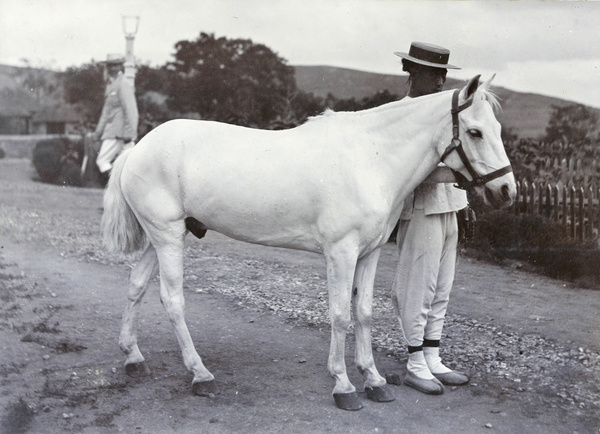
column 427, row 240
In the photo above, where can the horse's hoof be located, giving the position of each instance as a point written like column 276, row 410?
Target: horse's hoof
column 205, row 388
column 347, row 401
column 137, row 369
column 380, row 394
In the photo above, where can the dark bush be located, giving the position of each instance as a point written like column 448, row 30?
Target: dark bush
column 70, row 174
column 501, row 229
column 540, row 242
column 57, row 160
column 46, row 160
column 575, row 264
column 2, row 153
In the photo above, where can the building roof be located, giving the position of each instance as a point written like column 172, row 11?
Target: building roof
column 15, row 103
column 55, row 113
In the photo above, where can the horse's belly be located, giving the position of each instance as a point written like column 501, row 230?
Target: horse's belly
column 257, row 221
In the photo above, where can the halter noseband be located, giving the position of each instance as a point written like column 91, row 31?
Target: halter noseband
column 456, row 145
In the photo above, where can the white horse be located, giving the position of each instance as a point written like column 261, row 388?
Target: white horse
column 334, row 185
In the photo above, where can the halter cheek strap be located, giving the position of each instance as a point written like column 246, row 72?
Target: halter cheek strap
column 456, row 145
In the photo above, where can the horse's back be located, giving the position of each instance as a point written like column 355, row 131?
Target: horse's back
column 243, row 182
column 285, row 188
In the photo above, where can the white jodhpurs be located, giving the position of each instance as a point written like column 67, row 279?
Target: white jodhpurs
column 427, row 261
column 109, row 151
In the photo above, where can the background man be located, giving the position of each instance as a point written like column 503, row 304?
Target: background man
column 118, row 124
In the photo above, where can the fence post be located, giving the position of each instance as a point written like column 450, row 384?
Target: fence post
column 518, row 199
column 533, row 209
column 595, row 210
column 548, row 208
column 556, row 204
column 540, row 200
column 565, row 209
column 590, row 213
column 525, row 196
column 581, row 231
column 572, row 206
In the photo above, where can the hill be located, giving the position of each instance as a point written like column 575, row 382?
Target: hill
column 526, row 114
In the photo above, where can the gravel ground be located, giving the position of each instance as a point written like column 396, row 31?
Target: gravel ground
column 513, row 363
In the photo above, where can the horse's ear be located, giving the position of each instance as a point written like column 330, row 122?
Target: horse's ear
column 472, row 86
column 488, row 83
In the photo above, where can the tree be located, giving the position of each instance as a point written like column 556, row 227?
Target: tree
column 378, row 98
column 576, row 124
column 85, row 86
column 38, row 81
column 230, row 80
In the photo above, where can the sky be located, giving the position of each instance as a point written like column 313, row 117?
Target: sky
column 546, row 47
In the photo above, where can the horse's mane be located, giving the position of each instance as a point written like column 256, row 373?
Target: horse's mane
column 486, row 95
column 330, row 112
column 491, row 98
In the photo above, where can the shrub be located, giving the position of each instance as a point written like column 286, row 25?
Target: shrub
column 55, row 159
column 500, row 229
column 2, row 153
column 540, row 242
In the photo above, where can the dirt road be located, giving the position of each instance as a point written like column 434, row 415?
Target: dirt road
column 258, row 318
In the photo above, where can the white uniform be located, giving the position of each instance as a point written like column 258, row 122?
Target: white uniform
column 427, row 241
column 119, row 121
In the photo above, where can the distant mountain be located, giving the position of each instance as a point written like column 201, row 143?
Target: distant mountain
column 526, row 114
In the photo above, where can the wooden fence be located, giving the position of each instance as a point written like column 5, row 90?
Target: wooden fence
column 577, row 209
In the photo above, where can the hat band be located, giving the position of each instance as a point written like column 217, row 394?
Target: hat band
column 428, row 56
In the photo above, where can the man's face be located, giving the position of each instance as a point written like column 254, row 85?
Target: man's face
column 112, row 69
column 427, row 80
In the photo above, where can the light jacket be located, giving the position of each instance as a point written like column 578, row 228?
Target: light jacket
column 438, row 198
column 120, row 116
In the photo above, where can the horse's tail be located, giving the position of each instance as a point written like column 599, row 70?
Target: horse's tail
column 121, row 230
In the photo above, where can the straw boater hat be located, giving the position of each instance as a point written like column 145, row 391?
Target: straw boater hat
column 114, row 59
column 428, row 55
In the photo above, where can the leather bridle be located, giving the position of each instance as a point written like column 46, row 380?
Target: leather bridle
column 456, row 145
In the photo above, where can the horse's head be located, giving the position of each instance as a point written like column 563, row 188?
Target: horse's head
column 476, row 152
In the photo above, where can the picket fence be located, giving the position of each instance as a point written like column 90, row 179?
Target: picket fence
column 576, row 208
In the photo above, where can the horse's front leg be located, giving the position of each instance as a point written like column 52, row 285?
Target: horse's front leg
column 362, row 302
column 139, row 279
column 170, row 258
column 340, row 271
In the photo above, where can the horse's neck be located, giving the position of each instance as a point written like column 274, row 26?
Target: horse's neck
column 408, row 129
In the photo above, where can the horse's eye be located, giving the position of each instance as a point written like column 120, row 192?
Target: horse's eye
column 476, row 134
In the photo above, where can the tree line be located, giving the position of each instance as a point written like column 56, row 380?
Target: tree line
column 243, row 83
column 228, row 80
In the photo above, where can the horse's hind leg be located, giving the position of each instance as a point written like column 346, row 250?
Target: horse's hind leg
column 139, row 280
column 170, row 257
column 362, row 292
